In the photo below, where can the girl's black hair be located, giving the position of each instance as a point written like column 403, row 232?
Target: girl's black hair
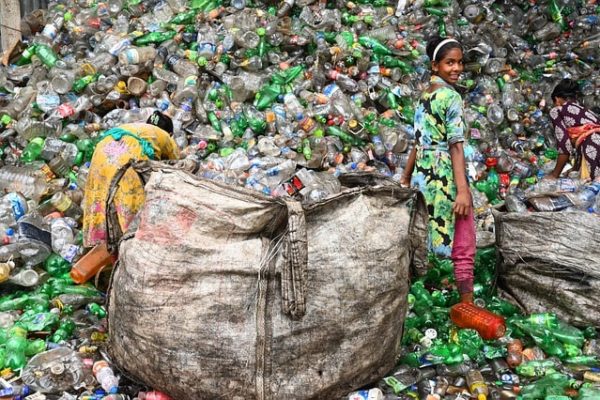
column 161, row 120
column 566, row 89
column 433, row 42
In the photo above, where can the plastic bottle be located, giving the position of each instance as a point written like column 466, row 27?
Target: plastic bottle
column 467, row 315
column 65, row 205
column 477, row 385
column 91, row 263
column 106, row 377
column 25, row 278
column 137, row 55
column 15, row 348
column 153, row 395
column 514, row 357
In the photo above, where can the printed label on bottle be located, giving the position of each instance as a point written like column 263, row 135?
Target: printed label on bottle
column 119, row 46
column 132, row 56
column 47, row 172
column 31, row 231
column 329, row 90
column 63, row 203
column 204, row 48
column 66, row 110
column 50, row 31
column 69, row 252
column 307, row 124
column 18, row 205
column 172, row 60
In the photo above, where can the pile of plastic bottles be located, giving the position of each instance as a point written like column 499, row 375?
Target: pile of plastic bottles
column 281, row 97
column 535, row 356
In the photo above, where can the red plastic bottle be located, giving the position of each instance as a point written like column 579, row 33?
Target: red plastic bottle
column 467, row 315
column 153, row 395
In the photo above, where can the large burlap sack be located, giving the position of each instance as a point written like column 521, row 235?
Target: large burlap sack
column 223, row 293
column 551, row 262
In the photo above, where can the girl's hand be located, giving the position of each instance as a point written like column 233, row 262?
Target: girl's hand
column 462, row 205
column 404, row 181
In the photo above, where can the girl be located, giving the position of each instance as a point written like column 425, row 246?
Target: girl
column 437, row 164
column 577, row 126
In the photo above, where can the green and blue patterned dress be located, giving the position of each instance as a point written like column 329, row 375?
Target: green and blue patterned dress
column 438, row 124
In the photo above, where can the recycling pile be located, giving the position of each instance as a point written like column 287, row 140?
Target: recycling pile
column 281, row 98
column 538, row 356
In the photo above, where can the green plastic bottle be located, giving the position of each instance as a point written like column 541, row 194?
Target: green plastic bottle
column 23, row 301
column 184, row 18
column 375, row 45
column 16, row 345
column 46, row 55
column 80, row 84
column 26, row 55
column 154, row 37
column 267, row 96
column 33, row 150
column 96, row 309
column 35, row 347
column 65, row 331
column 343, row 136
column 537, row 368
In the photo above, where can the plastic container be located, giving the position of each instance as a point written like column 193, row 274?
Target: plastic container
column 467, row 315
column 91, row 263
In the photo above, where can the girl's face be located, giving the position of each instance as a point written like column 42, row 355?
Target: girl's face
column 450, row 66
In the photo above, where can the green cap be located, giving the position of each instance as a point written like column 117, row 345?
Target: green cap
column 5, row 119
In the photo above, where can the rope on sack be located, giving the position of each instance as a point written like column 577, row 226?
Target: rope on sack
column 263, row 325
column 294, row 275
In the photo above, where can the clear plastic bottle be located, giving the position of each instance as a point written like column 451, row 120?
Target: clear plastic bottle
column 182, row 67
column 24, row 180
column 137, row 55
column 477, row 385
column 25, row 277
column 63, row 239
column 106, row 377
column 65, row 205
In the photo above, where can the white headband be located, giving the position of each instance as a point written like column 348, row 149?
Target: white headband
column 442, row 44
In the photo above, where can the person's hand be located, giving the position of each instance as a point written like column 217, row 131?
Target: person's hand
column 462, row 205
column 405, row 181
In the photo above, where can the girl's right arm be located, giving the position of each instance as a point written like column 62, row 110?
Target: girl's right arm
column 410, row 166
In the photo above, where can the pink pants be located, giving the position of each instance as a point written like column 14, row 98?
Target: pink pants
column 463, row 252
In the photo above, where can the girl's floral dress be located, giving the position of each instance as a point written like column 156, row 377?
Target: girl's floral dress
column 438, row 124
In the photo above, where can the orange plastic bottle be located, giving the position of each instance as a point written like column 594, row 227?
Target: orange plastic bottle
column 91, row 263
column 467, row 315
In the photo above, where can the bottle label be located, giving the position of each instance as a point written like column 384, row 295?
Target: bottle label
column 329, row 90
column 119, row 46
column 172, row 60
column 307, row 124
column 132, row 56
column 69, row 252
column 18, row 205
column 31, row 231
column 50, row 31
column 63, row 203
column 47, row 172
column 65, row 110
column 206, row 48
